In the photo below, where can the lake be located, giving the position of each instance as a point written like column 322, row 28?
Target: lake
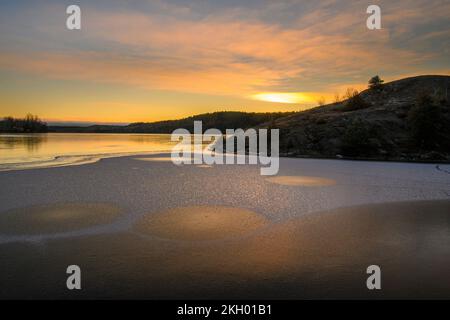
column 22, row 151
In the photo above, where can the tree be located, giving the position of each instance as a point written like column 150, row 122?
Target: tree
column 321, row 101
column 350, row 93
column 29, row 124
column 375, row 82
column 8, row 124
column 354, row 101
column 337, row 98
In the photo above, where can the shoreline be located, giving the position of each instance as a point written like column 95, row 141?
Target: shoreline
column 49, row 160
column 393, row 160
column 79, row 160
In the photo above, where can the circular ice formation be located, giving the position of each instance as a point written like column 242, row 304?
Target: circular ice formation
column 301, row 181
column 57, row 218
column 199, row 223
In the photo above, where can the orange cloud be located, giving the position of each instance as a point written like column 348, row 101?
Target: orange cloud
column 219, row 55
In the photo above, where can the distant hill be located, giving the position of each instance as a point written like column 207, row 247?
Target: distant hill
column 220, row 120
column 408, row 119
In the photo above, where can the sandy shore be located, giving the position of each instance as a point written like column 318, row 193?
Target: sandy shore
column 144, row 229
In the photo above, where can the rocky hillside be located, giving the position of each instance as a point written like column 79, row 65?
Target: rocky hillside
column 408, row 119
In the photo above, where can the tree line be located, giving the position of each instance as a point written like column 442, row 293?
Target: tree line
column 29, row 124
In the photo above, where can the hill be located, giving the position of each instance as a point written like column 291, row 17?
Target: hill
column 220, row 120
column 407, row 119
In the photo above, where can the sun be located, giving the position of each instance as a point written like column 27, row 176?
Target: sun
column 282, row 97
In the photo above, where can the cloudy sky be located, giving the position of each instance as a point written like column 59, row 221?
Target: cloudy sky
column 146, row 60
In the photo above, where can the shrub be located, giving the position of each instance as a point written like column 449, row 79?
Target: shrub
column 424, row 122
column 337, row 98
column 356, row 139
column 321, row 101
column 354, row 101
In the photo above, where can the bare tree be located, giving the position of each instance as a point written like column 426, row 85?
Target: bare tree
column 321, row 101
column 337, row 98
column 350, row 93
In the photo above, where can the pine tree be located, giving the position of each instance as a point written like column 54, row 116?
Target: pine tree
column 375, row 82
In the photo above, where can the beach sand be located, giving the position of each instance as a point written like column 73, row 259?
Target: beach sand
column 259, row 239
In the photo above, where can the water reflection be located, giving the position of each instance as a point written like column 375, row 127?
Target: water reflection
column 31, row 142
column 45, row 148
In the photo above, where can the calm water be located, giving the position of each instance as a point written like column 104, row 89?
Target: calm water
column 21, row 151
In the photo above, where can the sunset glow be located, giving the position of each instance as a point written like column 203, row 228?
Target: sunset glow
column 156, row 60
column 285, row 97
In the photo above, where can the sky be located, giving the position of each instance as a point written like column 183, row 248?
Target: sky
column 149, row 60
